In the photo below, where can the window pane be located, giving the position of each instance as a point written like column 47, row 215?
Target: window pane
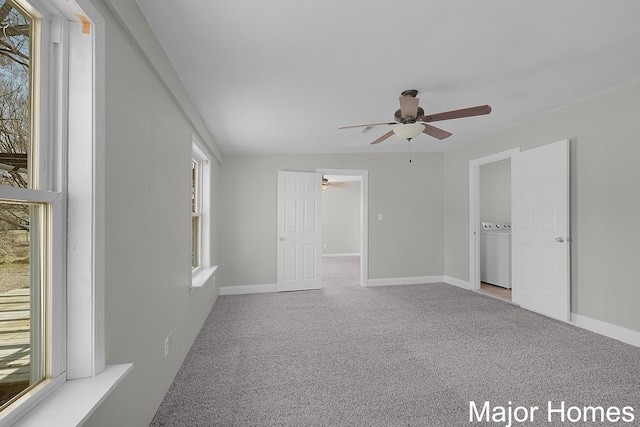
column 21, row 244
column 195, row 242
column 194, row 186
column 15, row 90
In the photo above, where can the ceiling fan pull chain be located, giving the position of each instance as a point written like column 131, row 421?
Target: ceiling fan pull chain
column 409, row 149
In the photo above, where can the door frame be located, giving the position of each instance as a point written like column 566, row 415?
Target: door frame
column 363, row 176
column 474, row 210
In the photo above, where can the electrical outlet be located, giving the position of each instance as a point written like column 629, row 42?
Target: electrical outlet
column 167, row 345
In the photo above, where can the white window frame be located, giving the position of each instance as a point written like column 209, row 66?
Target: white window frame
column 196, row 207
column 200, row 275
column 72, row 117
column 40, row 191
column 45, row 189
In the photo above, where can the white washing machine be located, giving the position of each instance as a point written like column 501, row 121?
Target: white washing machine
column 495, row 254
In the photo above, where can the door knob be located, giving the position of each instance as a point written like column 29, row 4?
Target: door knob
column 559, row 239
column 282, row 239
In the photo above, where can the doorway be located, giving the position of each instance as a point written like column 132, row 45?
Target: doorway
column 489, row 203
column 495, row 231
column 540, row 230
column 354, row 241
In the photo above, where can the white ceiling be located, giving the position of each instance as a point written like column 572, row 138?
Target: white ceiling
column 281, row 76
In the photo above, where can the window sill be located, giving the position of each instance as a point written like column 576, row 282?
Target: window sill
column 74, row 401
column 199, row 279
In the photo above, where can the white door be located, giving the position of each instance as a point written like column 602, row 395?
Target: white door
column 299, row 231
column 540, row 230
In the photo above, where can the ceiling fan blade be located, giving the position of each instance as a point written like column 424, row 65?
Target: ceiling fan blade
column 457, row 114
column 369, row 124
column 383, row 137
column 435, row 132
column 409, row 106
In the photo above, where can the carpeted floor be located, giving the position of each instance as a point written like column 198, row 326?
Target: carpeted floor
column 395, row 356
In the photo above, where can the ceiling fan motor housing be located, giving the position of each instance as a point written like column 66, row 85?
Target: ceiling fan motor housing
column 407, row 119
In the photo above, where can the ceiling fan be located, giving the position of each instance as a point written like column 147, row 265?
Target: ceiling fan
column 411, row 121
column 326, row 183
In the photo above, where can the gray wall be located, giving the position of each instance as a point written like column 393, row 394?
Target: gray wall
column 341, row 219
column 405, row 244
column 495, row 191
column 605, row 201
column 148, row 226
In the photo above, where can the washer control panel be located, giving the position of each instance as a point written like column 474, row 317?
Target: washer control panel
column 496, row 226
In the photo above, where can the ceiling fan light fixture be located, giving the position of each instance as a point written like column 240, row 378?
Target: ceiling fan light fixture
column 408, row 130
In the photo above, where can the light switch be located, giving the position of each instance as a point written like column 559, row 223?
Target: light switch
column 379, row 217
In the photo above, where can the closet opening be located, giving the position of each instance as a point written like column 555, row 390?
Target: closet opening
column 490, row 225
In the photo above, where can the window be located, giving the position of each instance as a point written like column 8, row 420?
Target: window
column 51, row 163
column 196, row 213
column 25, row 207
column 200, row 216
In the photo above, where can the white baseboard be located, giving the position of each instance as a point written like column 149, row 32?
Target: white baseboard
column 247, row 289
column 336, row 255
column 419, row 280
column 259, row 289
column 464, row 284
column 619, row 333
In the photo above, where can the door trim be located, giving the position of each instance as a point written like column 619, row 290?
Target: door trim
column 474, row 210
column 364, row 216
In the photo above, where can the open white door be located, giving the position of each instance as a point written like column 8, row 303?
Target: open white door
column 299, row 231
column 540, row 230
